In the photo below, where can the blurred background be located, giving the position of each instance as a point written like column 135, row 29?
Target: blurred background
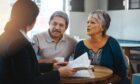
column 125, row 15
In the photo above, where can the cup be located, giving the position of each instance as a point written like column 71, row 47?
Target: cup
column 59, row 59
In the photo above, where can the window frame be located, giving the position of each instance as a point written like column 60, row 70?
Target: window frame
column 134, row 2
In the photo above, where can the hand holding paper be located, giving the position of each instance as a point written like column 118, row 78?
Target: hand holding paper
column 82, row 63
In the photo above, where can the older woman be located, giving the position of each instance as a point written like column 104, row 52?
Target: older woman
column 101, row 48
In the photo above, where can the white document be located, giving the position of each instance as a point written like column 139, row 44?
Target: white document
column 82, row 61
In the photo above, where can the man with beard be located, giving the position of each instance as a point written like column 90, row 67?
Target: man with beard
column 54, row 43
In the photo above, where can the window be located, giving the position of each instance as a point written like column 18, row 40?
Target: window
column 38, row 2
column 134, row 4
column 47, row 7
column 123, row 4
column 77, row 5
column 115, row 5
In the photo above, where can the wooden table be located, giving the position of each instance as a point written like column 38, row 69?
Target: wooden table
column 101, row 73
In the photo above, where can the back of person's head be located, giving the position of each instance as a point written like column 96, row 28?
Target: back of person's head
column 103, row 17
column 24, row 13
column 62, row 15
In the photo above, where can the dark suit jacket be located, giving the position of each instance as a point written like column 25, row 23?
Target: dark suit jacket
column 18, row 62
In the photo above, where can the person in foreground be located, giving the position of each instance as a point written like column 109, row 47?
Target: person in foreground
column 18, row 62
column 103, row 49
column 54, row 43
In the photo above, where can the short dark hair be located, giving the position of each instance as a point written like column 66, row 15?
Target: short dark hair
column 24, row 13
column 62, row 15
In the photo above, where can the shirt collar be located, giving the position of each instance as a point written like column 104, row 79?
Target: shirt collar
column 24, row 34
column 49, row 38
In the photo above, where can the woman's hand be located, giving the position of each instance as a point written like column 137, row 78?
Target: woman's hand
column 57, row 65
column 66, row 71
column 47, row 60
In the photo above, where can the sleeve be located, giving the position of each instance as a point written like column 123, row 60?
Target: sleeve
column 119, row 62
column 51, row 77
column 3, row 69
column 45, row 67
column 79, row 50
column 72, row 46
column 25, row 68
column 35, row 44
column 74, row 42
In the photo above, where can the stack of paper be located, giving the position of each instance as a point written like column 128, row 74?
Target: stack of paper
column 82, row 62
